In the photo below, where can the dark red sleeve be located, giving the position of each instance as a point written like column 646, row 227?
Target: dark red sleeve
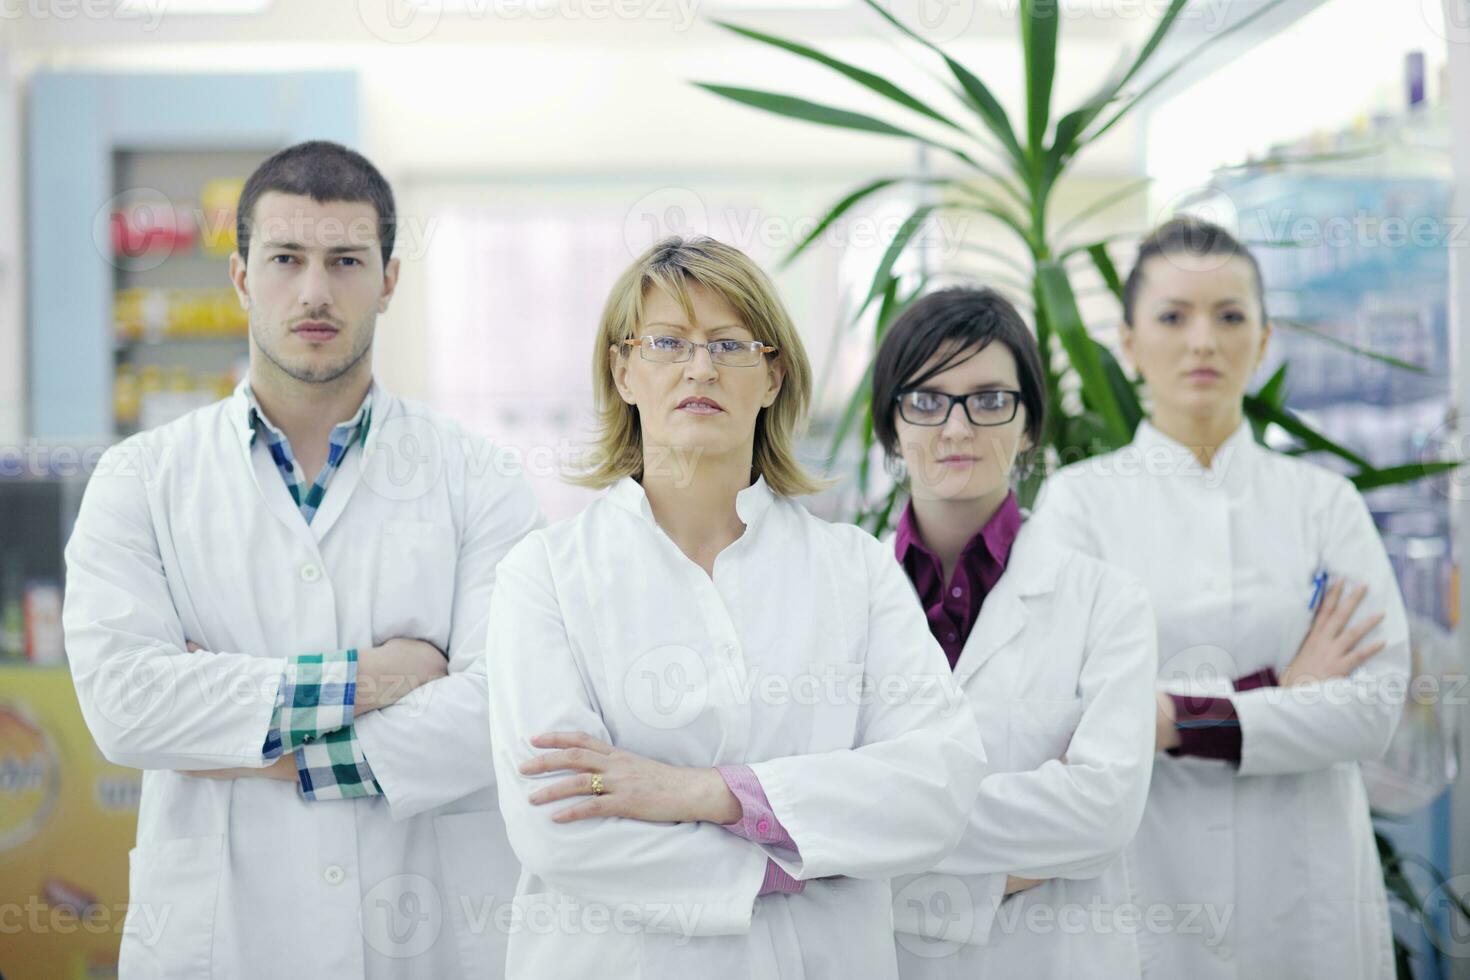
column 1208, row 727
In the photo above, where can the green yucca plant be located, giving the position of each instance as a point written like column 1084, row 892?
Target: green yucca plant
column 1017, row 196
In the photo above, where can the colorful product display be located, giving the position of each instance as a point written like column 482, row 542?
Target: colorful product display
column 217, row 215
column 137, row 393
column 178, row 347
column 67, row 820
column 144, row 315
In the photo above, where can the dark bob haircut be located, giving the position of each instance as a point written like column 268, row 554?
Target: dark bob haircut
column 958, row 322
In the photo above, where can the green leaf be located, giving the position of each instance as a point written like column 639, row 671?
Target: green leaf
column 1070, row 128
column 1076, row 250
column 838, row 210
column 1371, row 479
column 1310, row 437
column 882, row 517
column 979, row 96
column 1273, row 392
column 795, row 108
column 877, row 83
column 1100, row 205
column 855, row 403
column 865, row 457
column 1059, row 306
column 1000, row 214
column 853, row 199
column 1302, row 328
column 891, row 306
column 968, row 189
column 1439, row 879
column 1174, row 69
column 825, row 115
column 901, row 238
column 1039, row 24
column 1004, row 258
column 1080, row 436
column 988, row 109
column 1125, row 392
column 1106, row 269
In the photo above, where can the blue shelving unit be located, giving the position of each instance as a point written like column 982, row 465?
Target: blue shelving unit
column 77, row 124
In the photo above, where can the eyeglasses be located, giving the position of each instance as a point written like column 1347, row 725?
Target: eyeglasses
column 672, row 350
column 996, row 406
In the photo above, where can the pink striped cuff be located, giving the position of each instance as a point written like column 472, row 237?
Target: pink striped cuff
column 778, row 882
column 759, row 825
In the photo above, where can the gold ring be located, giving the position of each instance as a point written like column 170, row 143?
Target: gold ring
column 597, row 784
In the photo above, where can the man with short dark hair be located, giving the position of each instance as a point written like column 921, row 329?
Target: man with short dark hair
column 258, row 595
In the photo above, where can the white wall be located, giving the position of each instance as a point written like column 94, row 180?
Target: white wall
column 1328, row 71
column 12, row 297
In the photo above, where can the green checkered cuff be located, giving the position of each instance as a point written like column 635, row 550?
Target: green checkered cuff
column 333, row 768
column 316, row 695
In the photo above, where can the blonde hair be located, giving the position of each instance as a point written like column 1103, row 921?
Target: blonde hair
column 671, row 265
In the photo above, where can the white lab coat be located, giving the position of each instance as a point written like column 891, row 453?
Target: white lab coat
column 1269, row 870
column 186, row 533
column 1060, row 661
column 601, row 624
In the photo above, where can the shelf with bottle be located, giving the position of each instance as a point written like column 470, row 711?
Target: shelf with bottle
column 30, row 616
column 147, row 227
column 150, row 394
column 154, row 315
column 1364, row 233
column 179, row 334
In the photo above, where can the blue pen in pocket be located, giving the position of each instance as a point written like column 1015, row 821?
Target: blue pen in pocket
column 1319, row 586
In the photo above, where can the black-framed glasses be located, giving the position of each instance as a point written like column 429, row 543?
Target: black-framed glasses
column 994, row 406
column 672, row 350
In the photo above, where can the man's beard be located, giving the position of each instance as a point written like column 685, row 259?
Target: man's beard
column 318, row 374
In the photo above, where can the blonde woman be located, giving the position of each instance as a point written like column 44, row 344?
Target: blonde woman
column 720, row 724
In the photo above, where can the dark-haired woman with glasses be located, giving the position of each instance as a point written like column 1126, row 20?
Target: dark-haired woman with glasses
column 1053, row 649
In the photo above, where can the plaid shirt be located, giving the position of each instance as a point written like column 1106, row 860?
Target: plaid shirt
column 314, row 703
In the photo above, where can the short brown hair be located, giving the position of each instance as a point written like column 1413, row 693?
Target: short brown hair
column 957, row 321
column 323, row 171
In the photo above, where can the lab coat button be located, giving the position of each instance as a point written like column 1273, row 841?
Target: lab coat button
column 310, row 573
column 334, row 874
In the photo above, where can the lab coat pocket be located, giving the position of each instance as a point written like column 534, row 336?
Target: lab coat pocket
column 172, row 891
column 839, row 695
column 479, row 874
column 414, row 592
column 555, row 937
column 1040, row 730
